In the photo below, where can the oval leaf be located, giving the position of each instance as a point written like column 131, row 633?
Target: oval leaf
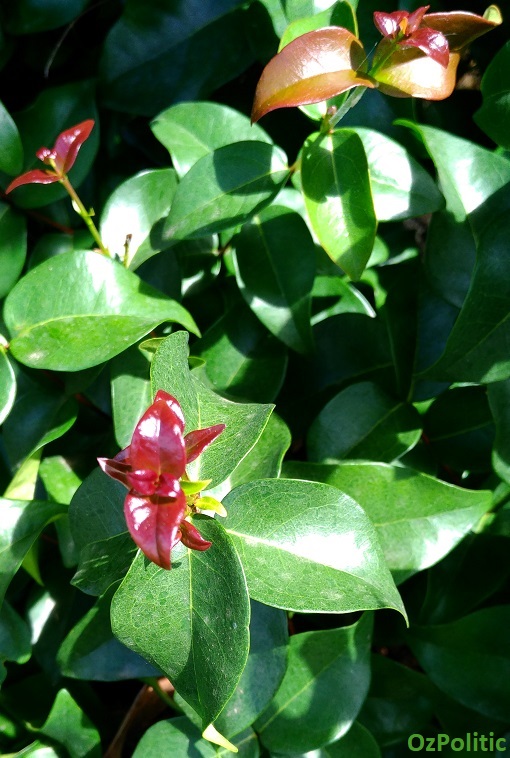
column 338, row 198
column 311, row 68
column 323, row 543
column 97, row 309
column 190, row 622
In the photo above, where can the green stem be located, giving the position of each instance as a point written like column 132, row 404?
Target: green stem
column 353, row 98
column 82, row 211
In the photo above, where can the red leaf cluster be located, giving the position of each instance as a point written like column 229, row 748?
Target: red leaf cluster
column 151, row 468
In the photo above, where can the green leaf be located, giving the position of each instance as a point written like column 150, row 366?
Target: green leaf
column 338, row 198
column 97, row 509
column 401, row 187
column 243, row 360
column 91, row 652
column 323, row 543
column 61, row 483
column 469, row 659
column 56, row 109
column 264, row 461
column 357, row 743
column 15, row 642
column 97, row 309
column 11, row 149
column 362, row 421
column 309, row 710
column 7, row 385
column 344, row 296
column 460, row 440
column 225, row 188
column 30, row 16
column 13, row 249
column 418, row 519
column 68, row 725
column 499, row 401
column 174, row 737
column 202, row 407
column 134, row 209
column 278, row 294
column 21, row 523
column 493, row 116
column 131, row 392
column 158, row 54
column 190, row 622
column 476, row 350
column 191, row 130
column 104, row 562
column 263, row 673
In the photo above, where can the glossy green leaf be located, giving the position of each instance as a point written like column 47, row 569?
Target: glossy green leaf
column 499, row 400
column 31, row 16
column 418, row 519
column 476, row 350
column 21, row 523
column 363, row 422
column 128, row 222
column 97, row 509
column 225, row 188
column 310, row 710
column 7, row 385
column 243, row 360
column 158, row 54
column 318, row 537
column 345, row 298
column 191, row 622
column 278, row 294
column 338, row 198
column 401, row 187
column 131, row 392
column 264, row 460
column 68, row 725
column 357, row 743
column 179, row 736
column 91, row 652
column 13, row 247
column 263, row 673
column 202, row 407
column 495, row 111
column 469, row 659
column 11, row 149
column 15, row 642
column 98, row 308
column 61, row 483
column 191, row 130
column 314, row 67
column 56, row 109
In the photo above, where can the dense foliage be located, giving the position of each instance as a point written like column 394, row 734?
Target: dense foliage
column 296, row 332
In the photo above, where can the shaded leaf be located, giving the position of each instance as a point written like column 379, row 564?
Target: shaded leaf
column 493, row 116
column 11, row 149
column 13, row 249
column 7, row 385
column 15, row 641
column 68, row 725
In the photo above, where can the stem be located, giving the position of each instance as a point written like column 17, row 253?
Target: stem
column 351, row 101
column 82, row 211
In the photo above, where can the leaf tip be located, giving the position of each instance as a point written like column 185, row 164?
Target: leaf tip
column 211, row 734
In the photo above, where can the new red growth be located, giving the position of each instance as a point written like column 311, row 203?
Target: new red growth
column 151, row 467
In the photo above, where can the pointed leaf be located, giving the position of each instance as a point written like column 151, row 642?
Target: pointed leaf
column 97, row 309
column 7, row 385
column 338, row 198
column 277, row 293
column 225, row 188
column 326, row 549
column 197, row 441
column 309, row 710
column 431, row 518
column 191, row 622
column 461, row 28
column 311, row 68
column 202, row 408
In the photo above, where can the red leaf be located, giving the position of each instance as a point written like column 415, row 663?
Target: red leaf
column 311, row 68
column 459, row 27
column 154, row 524
column 37, row 176
column 389, row 23
column 68, row 144
column 431, row 42
column 157, row 443
column 191, row 537
column 414, row 19
column 116, row 469
column 197, row 441
column 149, row 483
column 173, row 404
